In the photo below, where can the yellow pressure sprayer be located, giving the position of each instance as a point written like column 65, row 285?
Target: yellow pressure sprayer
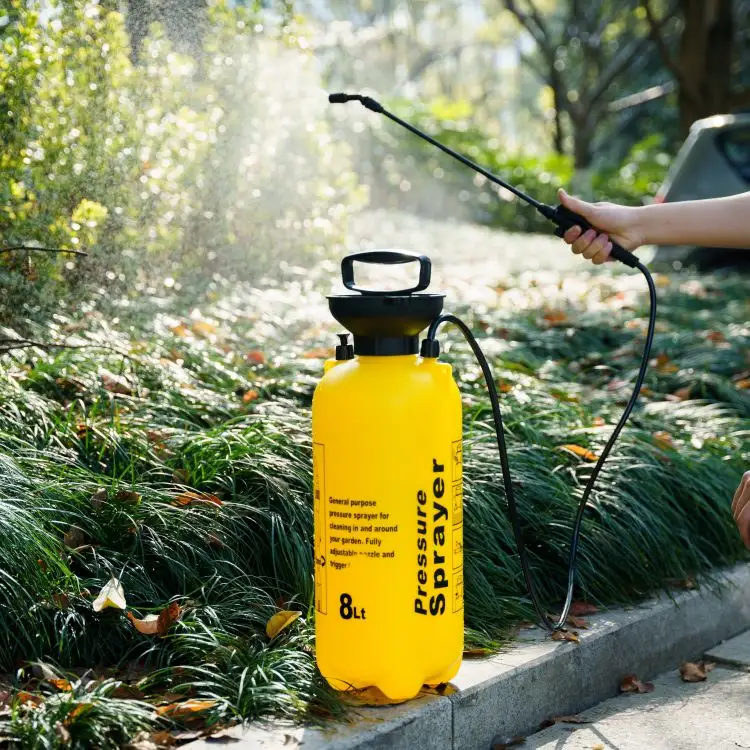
column 387, row 477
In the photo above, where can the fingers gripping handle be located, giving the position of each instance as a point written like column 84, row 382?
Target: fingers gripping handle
column 565, row 219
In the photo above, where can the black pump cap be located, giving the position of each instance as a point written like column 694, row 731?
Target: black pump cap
column 386, row 323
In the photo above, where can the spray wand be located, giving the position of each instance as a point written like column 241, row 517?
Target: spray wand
column 564, row 219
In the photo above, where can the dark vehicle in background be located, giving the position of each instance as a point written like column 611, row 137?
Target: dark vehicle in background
column 713, row 162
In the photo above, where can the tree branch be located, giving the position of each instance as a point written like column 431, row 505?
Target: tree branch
column 535, row 26
column 622, row 58
column 655, row 27
column 41, row 250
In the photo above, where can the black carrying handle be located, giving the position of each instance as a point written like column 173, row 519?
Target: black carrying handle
column 386, row 258
column 565, row 219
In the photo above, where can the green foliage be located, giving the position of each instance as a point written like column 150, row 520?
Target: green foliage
column 219, row 403
column 174, row 164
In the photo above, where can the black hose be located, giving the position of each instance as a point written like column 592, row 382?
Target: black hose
column 502, row 449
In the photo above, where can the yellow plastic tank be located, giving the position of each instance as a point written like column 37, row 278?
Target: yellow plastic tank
column 387, row 475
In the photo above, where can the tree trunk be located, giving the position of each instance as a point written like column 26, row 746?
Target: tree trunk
column 705, row 60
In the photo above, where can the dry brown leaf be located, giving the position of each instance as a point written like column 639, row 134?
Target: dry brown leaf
column 203, row 328
column 369, row 696
column 505, row 387
column 319, row 353
column 577, row 622
column 280, row 621
column 579, row 609
column 128, row 692
column 683, row 394
column 716, row 336
column 190, row 497
column 99, row 498
column 565, row 635
column 598, row 422
column 180, row 330
column 115, row 384
column 663, row 364
column 128, row 496
column 579, row 450
column 157, row 624
column 555, row 317
column 256, row 357
column 23, row 697
column 682, row 583
column 477, row 652
column 61, row 600
column 574, row 719
column 631, row 684
column 73, row 537
column 743, row 384
column 663, row 440
column 62, row 685
column 695, row 671
column 250, row 396
column 185, row 709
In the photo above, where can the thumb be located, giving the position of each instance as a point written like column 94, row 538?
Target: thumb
column 587, row 210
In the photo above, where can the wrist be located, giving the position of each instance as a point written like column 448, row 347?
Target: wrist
column 638, row 226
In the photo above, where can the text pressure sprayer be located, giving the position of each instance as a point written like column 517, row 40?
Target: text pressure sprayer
column 387, row 474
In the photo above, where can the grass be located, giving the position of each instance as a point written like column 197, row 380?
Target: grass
column 98, row 450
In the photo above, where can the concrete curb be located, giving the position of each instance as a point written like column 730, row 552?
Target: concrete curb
column 535, row 679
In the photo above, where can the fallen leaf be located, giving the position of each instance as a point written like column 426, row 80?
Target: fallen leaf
column 631, row 684
column 148, row 625
column 190, row 497
column 250, row 396
column 555, row 317
column 579, row 450
column 23, row 697
column 167, row 739
column 369, row 696
column 112, row 595
column 99, row 498
column 280, row 621
column 477, row 652
column 115, row 383
column 128, row 496
column 61, row 600
column 215, row 541
column 716, row 336
column 157, row 436
column 574, row 719
column 695, row 671
column 127, row 692
column 62, row 685
column 157, row 624
column 598, row 746
column 578, row 608
column 565, row 635
column 256, row 357
column 203, row 328
column 663, row 440
column 598, row 422
column 663, row 364
column 180, row 330
column 743, row 384
column 682, row 583
column 577, row 622
column 73, row 537
column 683, row 394
column 319, row 353
column 185, row 709
column 504, row 744
column 505, row 387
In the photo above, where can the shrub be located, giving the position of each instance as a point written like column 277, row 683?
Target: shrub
column 174, row 164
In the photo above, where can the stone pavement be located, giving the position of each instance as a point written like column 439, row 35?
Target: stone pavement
column 710, row 715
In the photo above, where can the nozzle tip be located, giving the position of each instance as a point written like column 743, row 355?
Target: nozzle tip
column 339, row 98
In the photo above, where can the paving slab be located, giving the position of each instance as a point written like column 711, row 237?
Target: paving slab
column 735, row 652
column 710, row 715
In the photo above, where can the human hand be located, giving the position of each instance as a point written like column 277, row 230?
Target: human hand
column 614, row 222
column 741, row 508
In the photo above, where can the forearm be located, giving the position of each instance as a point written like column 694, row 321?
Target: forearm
column 718, row 222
